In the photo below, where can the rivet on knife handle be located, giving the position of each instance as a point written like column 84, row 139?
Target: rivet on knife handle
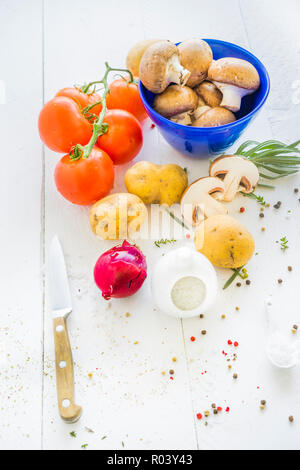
column 69, row 411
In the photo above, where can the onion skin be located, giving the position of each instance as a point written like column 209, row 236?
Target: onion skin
column 120, row 271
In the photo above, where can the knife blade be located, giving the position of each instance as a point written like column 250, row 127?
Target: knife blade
column 60, row 299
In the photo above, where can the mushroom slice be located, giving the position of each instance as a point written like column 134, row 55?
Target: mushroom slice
column 201, row 199
column 209, row 93
column 238, row 174
column 160, row 66
column 235, row 78
column 183, row 118
column 135, row 55
column 212, row 117
column 175, row 100
column 196, row 56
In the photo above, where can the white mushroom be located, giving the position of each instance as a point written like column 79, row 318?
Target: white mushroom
column 235, row 78
column 160, row 66
column 209, row 93
column 175, row 100
column 136, row 53
column 201, row 199
column 200, row 110
column 237, row 173
column 196, row 56
column 212, row 117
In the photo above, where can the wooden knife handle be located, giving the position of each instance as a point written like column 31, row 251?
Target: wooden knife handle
column 69, row 412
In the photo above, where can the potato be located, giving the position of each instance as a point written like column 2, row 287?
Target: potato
column 117, row 216
column 224, row 241
column 156, row 184
column 136, row 53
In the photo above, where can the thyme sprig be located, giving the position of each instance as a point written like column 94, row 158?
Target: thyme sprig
column 236, row 272
column 284, row 243
column 164, row 241
column 259, row 199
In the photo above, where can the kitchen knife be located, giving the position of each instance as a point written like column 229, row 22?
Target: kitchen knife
column 61, row 309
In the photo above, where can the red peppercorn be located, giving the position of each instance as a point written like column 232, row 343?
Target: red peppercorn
column 227, row 409
column 152, row 126
column 242, row 209
column 219, row 408
column 193, row 338
column 171, row 378
column 199, row 416
column 229, row 342
column 236, row 344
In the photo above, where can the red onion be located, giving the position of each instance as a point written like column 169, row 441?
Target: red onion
column 120, row 271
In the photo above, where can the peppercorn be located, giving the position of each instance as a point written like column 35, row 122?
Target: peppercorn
column 279, row 281
column 290, row 268
column 295, row 327
column 291, row 419
column 263, row 229
column 248, row 282
column 201, row 315
column 242, row 209
column 263, row 402
column 203, row 332
column 261, row 214
column 213, row 405
column 238, row 284
column 237, row 308
column 229, row 366
column 223, row 316
column 171, row 371
column 206, row 413
column 262, row 407
column 235, row 376
column 296, row 190
column 215, row 411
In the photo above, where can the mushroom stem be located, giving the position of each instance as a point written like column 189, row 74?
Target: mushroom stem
column 175, row 72
column 183, row 118
column 232, row 96
column 232, row 184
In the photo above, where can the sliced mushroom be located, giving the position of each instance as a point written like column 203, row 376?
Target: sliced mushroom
column 196, row 56
column 160, row 66
column 213, row 117
column 235, row 78
column 175, row 100
column 136, row 53
column 201, row 199
column 238, row 174
column 209, row 93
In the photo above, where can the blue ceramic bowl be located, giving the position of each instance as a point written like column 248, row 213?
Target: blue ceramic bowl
column 199, row 141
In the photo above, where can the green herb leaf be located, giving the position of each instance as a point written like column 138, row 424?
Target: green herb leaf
column 236, row 272
column 284, row 243
column 258, row 198
column 73, row 434
column 84, row 446
column 164, row 241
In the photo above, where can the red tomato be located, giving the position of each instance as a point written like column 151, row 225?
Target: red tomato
column 124, row 138
column 85, row 181
column 62, row 125
column 126, row 96
column 82, row 99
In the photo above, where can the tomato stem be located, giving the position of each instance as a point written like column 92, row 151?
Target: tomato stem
column 99, row 128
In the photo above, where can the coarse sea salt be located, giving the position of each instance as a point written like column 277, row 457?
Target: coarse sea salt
column 282, row 351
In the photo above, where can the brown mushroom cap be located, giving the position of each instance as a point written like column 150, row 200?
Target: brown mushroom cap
column 214, row 117
column 196, row 56
column 135, row 54
column 174, row 100
column 234, row 71
column 160, row 66
column 209, row 93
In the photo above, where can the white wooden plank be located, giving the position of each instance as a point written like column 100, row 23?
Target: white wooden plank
column 128, row 399
column 20, row 230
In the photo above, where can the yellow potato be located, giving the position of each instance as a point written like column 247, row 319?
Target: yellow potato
column 117, row 216
column 224, row 241
column 156, row 184
column 136, row 53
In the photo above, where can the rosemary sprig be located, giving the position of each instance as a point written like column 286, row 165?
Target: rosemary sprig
column 180, row 222
column 164, row 241
column 236, row 273
column 273, row 157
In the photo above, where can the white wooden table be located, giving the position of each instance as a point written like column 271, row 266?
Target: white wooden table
column 127, row 402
